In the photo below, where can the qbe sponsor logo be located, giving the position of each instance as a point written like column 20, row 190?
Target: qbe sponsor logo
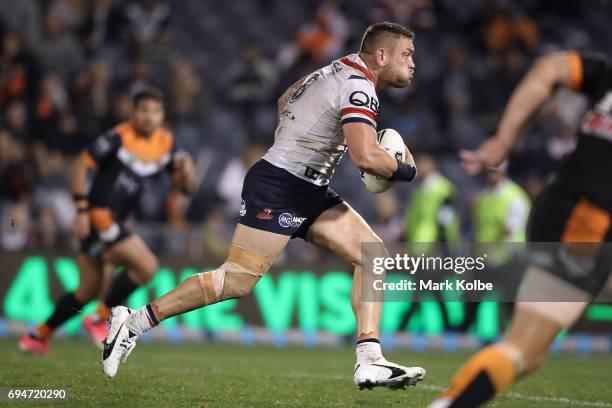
column 287, row 220
column 362, row 99
column 242, row 209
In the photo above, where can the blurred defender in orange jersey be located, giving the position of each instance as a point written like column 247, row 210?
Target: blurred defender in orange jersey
column 574, row 211
column 122, row 158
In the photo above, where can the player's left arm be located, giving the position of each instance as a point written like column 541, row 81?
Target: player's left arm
column 537, row 87
column 95, row 154
column 183, row 172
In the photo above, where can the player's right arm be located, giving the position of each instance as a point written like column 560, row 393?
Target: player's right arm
column 101, row 148
column 364, row 151
column 537, row 87
column 358, row 107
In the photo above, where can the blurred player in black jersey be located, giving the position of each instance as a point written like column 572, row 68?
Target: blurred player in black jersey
column 122, row 158
column 574, row 211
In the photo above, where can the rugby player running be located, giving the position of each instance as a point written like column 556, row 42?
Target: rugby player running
column 122, row 158
column 286, row 195
column 574, row 211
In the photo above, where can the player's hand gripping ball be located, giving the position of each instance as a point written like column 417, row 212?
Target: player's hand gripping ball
column 393, row 143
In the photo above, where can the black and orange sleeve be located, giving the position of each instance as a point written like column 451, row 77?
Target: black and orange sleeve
column 576, row 71
column 101, row 148
column 89, row 161
column 589, row 72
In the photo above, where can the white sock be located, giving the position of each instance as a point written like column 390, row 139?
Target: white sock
column 368, row 352
column 141, row 321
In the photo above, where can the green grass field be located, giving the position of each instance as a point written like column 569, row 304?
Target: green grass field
column 195, row 375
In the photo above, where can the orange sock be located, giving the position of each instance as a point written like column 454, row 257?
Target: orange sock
column 487, row 373
column 102, row 311
column 43, row 331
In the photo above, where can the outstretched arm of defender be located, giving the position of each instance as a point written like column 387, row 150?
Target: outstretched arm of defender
column 533, row 91
column 367, row 155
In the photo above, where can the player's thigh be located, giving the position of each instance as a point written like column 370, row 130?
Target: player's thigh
column 132, row 253
column 342, row 231
column 262, row 242
column 251, row 254
column 569, row 258
column 553, row 297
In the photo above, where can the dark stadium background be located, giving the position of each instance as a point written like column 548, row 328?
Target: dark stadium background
column 68, row 68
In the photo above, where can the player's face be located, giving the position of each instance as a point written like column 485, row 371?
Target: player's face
column 148, row 115
column 399, row 71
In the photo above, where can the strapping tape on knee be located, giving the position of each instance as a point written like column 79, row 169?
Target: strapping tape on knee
column 240, row 261
column 251, row 262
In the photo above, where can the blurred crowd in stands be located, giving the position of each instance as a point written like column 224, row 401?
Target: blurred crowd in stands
column 68, row 68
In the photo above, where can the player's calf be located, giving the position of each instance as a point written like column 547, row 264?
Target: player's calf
column 489, row 372
column 234, row 279
column 495, row 368
column 68, row 305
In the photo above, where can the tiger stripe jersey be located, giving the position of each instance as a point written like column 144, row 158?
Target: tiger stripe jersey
column 122, row 160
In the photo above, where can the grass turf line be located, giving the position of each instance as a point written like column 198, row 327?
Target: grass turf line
column 163, row 374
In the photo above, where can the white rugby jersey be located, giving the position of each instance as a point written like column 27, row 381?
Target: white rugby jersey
column 309, row 142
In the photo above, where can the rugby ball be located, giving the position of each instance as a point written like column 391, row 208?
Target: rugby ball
column 393, row 143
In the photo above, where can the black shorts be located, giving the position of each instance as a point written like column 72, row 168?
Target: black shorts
column 582, row 232
column 94, row 244
column 275, row 200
